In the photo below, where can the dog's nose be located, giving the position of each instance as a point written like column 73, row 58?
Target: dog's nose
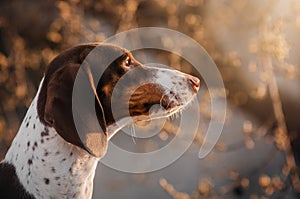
column 194, row 82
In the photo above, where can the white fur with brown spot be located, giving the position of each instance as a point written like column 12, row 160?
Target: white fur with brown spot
column 46, row 165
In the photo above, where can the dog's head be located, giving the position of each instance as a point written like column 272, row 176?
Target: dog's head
column 126, row 85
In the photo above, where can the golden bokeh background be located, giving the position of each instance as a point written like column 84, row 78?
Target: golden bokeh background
column 254, row 43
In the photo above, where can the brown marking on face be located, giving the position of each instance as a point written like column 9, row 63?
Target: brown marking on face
column 144, row 98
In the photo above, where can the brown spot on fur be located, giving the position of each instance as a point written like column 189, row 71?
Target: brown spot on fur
column 46, row 180
column 44, row 133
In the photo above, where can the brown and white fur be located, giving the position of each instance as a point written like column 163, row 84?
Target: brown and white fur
column 47, row 159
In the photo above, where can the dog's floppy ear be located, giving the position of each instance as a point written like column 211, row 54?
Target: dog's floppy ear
column 59, row 112
column 87, row 120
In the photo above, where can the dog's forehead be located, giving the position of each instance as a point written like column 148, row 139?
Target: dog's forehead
column 107, row 53
column 110, row 48
column 93, row 51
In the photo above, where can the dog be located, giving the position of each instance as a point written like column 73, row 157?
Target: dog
column 48, row 158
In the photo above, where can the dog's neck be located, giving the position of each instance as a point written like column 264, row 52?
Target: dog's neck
column 46, row 165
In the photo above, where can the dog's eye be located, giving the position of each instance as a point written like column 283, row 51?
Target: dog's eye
column 128, row 61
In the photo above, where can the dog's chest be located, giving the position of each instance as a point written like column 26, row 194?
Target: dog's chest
column 46, row 165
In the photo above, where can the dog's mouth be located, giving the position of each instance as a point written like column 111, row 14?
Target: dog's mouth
column 159, row 106
column 172, row 108
column 157, row 111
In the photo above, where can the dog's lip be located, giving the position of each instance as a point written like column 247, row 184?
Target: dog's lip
column 174, row 109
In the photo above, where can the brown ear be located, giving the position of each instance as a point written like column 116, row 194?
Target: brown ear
column 58, row 113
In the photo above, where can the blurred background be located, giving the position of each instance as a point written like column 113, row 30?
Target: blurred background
column 255, row 44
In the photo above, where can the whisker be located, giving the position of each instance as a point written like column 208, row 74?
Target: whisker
column 133, row 133
column 160, row 101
